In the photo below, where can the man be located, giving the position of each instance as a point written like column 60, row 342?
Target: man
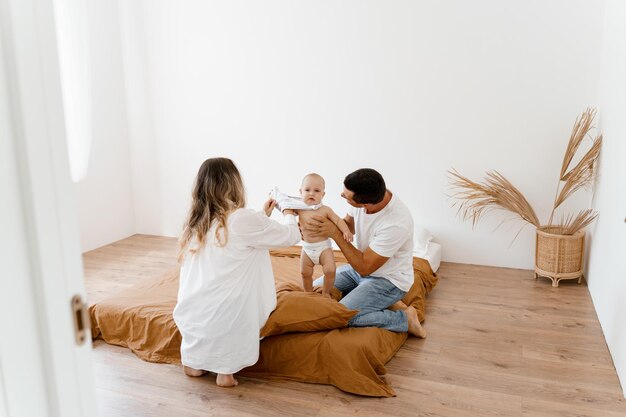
column 380, row 270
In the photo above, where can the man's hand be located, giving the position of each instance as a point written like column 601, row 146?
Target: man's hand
column 364, row 262
column 348, row 236
column 320, row 226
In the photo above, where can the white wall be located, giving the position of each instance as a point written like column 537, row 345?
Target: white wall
column 104, row 197
column 606, row 273
column 409, row 88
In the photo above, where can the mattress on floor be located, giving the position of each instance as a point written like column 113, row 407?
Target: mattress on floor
column 351, row 359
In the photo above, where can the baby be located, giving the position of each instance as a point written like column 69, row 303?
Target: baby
column 316, row 251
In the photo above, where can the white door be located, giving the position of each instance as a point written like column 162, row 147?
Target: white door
column 44, row 371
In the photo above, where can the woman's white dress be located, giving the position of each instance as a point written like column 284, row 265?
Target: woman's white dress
column 227, row 293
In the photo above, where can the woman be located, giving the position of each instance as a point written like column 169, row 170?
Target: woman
column 226, row 288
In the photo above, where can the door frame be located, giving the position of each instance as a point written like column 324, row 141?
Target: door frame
column 43, row 371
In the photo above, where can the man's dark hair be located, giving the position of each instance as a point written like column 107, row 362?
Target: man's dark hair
column 367, row 185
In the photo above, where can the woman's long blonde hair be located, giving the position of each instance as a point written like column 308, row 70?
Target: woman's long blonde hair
column 218, row 191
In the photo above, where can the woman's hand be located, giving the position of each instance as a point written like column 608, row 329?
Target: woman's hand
column 320, row 226
column 269, row 206
column 290, row 211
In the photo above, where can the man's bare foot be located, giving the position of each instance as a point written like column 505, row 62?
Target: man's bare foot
column 193, row 372
column 415, row 328
column 226, row 380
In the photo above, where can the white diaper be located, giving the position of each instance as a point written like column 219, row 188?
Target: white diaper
column 284, row 201
column 314, row 250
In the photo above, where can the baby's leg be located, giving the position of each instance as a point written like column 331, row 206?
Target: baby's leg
column 306, row 270
column 327, row 260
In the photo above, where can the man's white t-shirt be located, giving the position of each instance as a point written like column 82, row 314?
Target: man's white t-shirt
column 389, row 233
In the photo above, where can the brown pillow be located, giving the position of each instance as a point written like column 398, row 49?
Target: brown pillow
column 299, row 311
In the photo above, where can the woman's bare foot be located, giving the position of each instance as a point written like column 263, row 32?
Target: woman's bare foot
column 415, row 328
column 193, row 372
column 226, row 380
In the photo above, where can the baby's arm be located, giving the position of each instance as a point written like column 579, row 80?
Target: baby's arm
column 341, row 224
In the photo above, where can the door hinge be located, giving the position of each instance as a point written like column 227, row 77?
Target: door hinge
column 81, row 319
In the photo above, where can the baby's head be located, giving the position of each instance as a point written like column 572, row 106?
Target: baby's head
column 312, row 189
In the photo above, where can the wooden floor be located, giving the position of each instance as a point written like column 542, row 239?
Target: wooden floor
column 500, row 343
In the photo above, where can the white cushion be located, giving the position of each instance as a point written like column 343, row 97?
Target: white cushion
column 421, row 239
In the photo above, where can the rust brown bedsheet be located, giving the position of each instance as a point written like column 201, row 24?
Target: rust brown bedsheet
column 352, row 359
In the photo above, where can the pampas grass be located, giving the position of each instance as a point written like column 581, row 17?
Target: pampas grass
column 495, row 192
column 581, row 176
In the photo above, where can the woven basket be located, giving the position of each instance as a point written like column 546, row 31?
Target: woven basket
column 559, row 256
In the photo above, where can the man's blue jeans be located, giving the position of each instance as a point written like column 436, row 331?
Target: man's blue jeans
column 371, row 296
